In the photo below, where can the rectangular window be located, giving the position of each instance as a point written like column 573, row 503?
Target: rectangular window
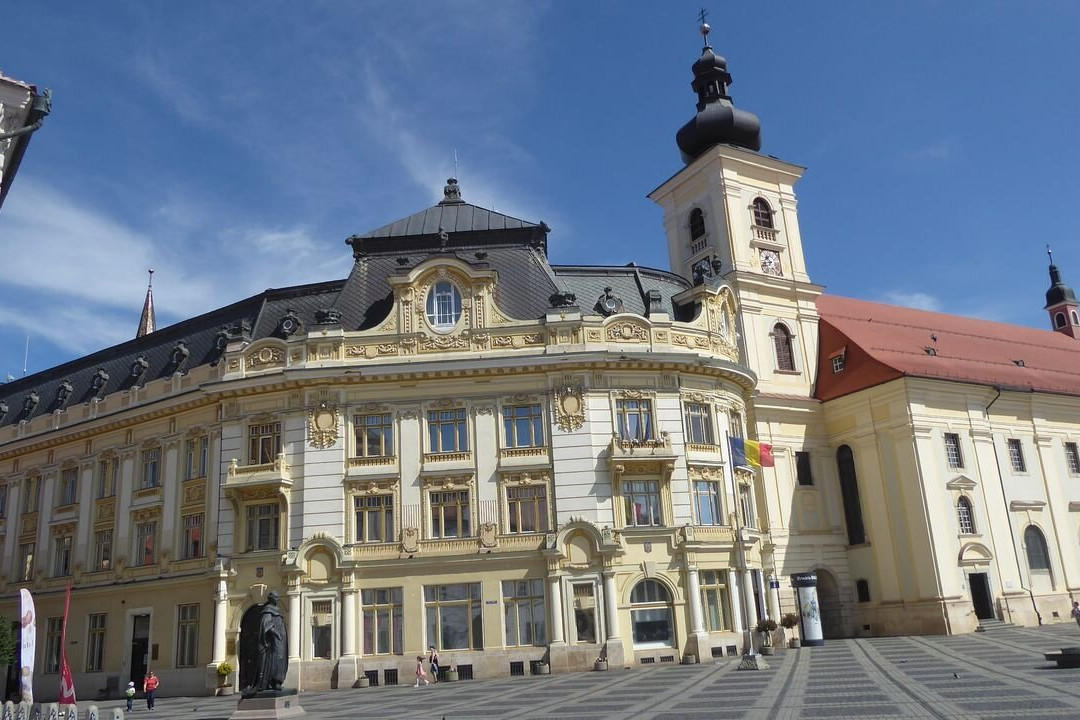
column 264, row 443
column 1072, row 458
column 803, row 473
column 735, row 428
column 455, row 618
column 838, row 363
column 1016, row 456
column 641, row 501
column 523, row 426
column 69, row 486
column 584, row 613
column 450, row 514
column 322, row 629
column 3, row 500
column 187, row 635
column 634, row 419
column 196, row 457
column 374, row 435
column 525, row 612
column 108, row 477
column 707, row 502
column 62, row 556
column 448, row 431
column 746, row 505
column 714, row 600
column 699, row 424
column 32, row 498
column 25, row 570
column 146, row 543
column 193, row 537
column 374, row 518
column 382, row 621
column 952, row 451
column 151, row 469
column 95, row 642
column 527, row 508
column 53, row 631
column 102, row 550
column 263, row 526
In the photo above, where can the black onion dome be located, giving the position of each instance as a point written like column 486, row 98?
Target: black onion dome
column 1059, row 292
column 717, row 120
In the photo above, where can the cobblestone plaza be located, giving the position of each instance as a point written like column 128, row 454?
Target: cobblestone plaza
column 999, row 674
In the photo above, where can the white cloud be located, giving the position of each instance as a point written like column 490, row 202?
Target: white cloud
column 917, row 300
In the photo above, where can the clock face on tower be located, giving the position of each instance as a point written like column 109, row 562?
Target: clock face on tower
column 770, row 262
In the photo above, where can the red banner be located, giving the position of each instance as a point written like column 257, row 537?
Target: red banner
column 67, row 684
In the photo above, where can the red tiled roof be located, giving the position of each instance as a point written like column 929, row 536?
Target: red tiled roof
column 891, row 341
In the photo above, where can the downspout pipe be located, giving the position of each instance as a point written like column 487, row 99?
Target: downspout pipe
column 1008, row 514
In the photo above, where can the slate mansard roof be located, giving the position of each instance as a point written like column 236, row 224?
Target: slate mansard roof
column 515, row 249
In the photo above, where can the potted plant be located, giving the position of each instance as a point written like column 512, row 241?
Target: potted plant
column 363, row 681
column 542, row 668
column 766, row 626
column 224, row 672
column 451, row 674
column 790, row 621
column 600, row 663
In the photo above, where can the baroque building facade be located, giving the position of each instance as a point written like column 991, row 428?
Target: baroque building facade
column 464, row 446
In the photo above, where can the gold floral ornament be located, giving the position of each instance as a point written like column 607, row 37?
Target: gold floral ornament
column 569, row 407
column 323, row 425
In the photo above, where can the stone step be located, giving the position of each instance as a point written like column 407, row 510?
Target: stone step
column 993, row 625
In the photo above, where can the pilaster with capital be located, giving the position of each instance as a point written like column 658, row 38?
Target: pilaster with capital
column 611, row 605
column 555, row 594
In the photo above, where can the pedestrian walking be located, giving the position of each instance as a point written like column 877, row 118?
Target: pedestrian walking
column 1076, row 612
column 421, row 674
column 433, row 660
column 130, row 695
column 150, row 686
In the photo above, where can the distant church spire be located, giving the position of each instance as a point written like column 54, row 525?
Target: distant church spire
column 147, row 322
column 1061, row 303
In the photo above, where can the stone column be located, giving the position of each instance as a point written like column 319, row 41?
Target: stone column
column 221, row 618
column 294, row 625
column 748, row 598
column 347, row 668
column 555, row 597
column 773, row 600
column 693, row 591
column 611, row 604
column 736, row 605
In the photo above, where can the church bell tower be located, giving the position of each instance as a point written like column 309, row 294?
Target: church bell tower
column 1061, row 303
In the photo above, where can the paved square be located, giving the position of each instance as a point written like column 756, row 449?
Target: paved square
column 1001, row 674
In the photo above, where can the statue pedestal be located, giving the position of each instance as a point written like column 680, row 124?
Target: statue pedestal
column 269, row 705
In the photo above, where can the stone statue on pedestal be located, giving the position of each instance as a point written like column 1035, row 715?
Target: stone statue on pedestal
column 264, row 649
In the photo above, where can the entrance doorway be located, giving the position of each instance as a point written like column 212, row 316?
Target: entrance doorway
column 140, row 648
column 981, row 597
column 832, row 608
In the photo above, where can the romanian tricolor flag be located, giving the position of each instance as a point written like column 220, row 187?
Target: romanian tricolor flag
column 751, row 453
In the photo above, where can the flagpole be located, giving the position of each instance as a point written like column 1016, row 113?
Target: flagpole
column 741, row 562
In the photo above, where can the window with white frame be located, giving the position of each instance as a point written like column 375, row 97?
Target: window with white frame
column 965, row 516
column 698, row 417
column 735, row 426
column 103, row 540
column 322, row 629
column 837, row 362
column 374, row 518
column 746, row 505
column 527, row 508
column 146, row 543
column 454, row 616
column 584, row 596
column 374, row 435
column 448, row 431
column 62, row 556
column 25, row 569
column 1038, row 555
column 108, row 476
column 54, row 631
column 450, row 513
column 953, row 455
column 707, row 504
column 263, row 526
column 1072, row 458
column 642, row 503
column 196, row 457
column 782, row 343
column 69, row 486
column 32, row 498
column 715, row 600
column 763, row 214
column 524, row 612
column 187, row 635
column 443, row 306
column 382, row 621
column 651, row 615
column 95, row 641
column 1016, row 456
column 193, row 537
column 264, row 443
column 523, row 426
column 151, row 469
column 634, row 418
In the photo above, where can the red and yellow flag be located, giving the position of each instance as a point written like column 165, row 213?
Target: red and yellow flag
column 67, row 683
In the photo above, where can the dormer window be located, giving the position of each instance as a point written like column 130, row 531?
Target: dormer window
column 763, row 214
column 443, row 306
column 697, row 231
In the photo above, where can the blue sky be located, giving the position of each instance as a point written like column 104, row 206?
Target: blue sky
column 233, row 146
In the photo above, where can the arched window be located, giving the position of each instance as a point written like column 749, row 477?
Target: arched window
column 965, row 516
column 651, row 615
column 1076, row 320
column 785, row 357
column 697, row 231
column 862, row 590
column 1059, row 320
column 763, row 216
column 849, row 493
column 443, row 306
column 1037, row 555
